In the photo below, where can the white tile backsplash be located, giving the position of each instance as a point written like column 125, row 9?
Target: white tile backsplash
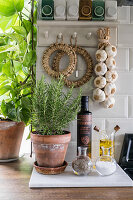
column 120, row 109
column 125, row 35
column 124, row 83
column 122, row 112
column 131, row 59
column 130, row 106
column 122, row 59
column 124, row 14
column 71, row 152
column 131, row 14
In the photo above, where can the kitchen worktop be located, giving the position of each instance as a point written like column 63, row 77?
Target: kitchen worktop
column 14, row 185
column 69, row 179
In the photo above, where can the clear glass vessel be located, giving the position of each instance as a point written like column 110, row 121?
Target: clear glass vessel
column 82, row 165
column 107, row 141
column 105, row 164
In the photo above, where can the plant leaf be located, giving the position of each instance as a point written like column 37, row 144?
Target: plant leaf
column 6, row 48
column 7, row 22
column 20, row 30
column 4, row 108
column 27, row 25
column 7, row 69
column 10, row 7
column 5, row 89
column 25, row 115
column 3, row 56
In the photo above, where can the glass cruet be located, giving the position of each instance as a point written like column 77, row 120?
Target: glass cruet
column 105, row 164
column 82, row 165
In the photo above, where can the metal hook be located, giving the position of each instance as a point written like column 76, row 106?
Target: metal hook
column 88, row 36
column 74, row 35
column 46, row 34
column 60, row 37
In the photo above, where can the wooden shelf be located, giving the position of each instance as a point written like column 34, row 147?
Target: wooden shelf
column 78, row 23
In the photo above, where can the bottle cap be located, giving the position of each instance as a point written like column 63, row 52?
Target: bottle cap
column 85, row 98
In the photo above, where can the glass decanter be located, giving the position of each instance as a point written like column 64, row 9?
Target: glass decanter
column 105, row 164
column 107, row 141
column 82, row 165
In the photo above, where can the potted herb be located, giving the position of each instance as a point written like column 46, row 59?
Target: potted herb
column 53, row 109
column 17, row 59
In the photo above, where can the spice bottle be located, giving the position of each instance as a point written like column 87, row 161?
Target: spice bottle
column 84, row 125
column 82, row 165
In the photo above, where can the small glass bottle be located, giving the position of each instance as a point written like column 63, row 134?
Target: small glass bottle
column 82, row 165
column 105, row 164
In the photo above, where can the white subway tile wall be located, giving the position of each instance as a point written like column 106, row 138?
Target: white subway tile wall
column 122, row 113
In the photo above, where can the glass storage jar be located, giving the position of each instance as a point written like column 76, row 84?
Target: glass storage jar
column 105, row 164
column 82, row 165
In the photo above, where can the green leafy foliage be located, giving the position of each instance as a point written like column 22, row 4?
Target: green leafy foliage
column 17, row 58
column 53, row 109
column 10, row 7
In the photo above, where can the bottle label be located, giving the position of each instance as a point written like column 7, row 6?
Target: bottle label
column 84, row 127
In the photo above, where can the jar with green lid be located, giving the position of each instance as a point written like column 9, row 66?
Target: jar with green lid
column 98, row 9
column 47, row 9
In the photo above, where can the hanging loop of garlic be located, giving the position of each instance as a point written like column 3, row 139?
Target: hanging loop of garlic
column 105, row 70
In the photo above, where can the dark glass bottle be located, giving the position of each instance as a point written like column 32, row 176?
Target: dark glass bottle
column 84, row 125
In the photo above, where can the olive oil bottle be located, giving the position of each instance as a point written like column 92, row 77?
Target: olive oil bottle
column 84, row 125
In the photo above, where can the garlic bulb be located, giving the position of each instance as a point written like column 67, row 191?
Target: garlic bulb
column 111, row 50
column 98, row 95
column 111, row 76
column 110, row 89
column 109, row 102
column 100, row 82
column 100, row 69
column 101, row 55
column 111, row 64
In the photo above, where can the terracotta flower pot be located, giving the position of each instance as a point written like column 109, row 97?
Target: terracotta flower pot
column 50, row 150
column 11, row 134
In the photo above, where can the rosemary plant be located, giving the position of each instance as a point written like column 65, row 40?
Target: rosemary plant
column 53, row 109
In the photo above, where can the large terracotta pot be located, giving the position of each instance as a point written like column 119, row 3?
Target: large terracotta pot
column 11, row 134
column 50, row 150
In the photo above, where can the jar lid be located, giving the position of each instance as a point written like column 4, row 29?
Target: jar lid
column 73, row 10
column 99, row 11
column 47, row 10
column 59, row 10
column 86, row 10
column 111, row 11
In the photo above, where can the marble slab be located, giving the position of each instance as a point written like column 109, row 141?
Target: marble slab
column 69, row 179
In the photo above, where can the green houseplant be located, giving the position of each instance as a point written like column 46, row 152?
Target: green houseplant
column 53, row 109
column 17, row 61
